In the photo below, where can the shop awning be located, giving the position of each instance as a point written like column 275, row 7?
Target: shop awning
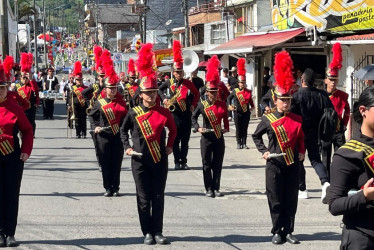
column 356, row 39
column 248, row 43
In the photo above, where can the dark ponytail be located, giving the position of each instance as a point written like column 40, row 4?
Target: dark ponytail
column 366, row 99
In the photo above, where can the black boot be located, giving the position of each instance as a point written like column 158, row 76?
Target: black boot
column 239, row 143
column 245, row 143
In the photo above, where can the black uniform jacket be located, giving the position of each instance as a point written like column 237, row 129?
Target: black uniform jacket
column 351, row 168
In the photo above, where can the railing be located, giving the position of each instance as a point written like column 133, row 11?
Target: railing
column 208, row 7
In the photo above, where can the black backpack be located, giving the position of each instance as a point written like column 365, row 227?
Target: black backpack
column 327, row 124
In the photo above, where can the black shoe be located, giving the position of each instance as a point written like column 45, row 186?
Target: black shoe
column 51, row 118
column 108, row 193
column 177, row 166
column 292, row 239
column 100, row 169
column 2, row 241
column 84, row 136
column 217, row 193
column 78, row 137
column 185, row 166
column 209, row 193
column 11, row 241
column 160, row 239
column 148, row 239
column 116, row 194
column 245, row 146
column 238, row 146
column 277, row 239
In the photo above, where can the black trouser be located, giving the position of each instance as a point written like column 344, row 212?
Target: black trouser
column 353, row 239
column 212, row 153
column 30, row 114
column 183, row 123
column 150, row 181
column 94, row 139
column 11, row 169
column 338, row 140
column 110, row 152
column 282, row 192
column 241, row 126
column 311, row 145
column 69, row 114
column 80, row 122
column 302, row 183
column 48, row 108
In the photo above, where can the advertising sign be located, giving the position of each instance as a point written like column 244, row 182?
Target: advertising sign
column 330, row 15
column 160, row 54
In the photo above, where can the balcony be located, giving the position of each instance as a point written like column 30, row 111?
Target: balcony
column 212, row 6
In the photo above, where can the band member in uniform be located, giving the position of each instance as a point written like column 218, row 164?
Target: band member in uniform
column 67, row 93
column 122, row 83
column 286, row 140
column 352, row 172
column 95, row 91
column 132, row 85
column 12, row 95
column 106, row 117
column 79, row 102
column 180, row 104
column 242, row 112
column 340, row 101
column 212, row 142
column 147, row 124
column 28, row 89
column 12, row 157
column 50, row 82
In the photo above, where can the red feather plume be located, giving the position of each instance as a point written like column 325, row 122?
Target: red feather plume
column 131, row 66
column 108, row 66
column 241, row 67
column 145, row 61
column 98, row 52
column 177, row 51
column 212, row 74
column 77, row 68
column 8, row 66
column 337, row 57
column 283, row 67
column 25, row 62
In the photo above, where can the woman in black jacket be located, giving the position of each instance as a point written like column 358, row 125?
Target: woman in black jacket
column 352, row 172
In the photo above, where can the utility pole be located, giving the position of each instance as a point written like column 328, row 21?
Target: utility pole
column 144, row 19
column 97, row 24
column 35, row 40
column 17, row 44
column 186, row 25
column 4, row 22
column 45, row 46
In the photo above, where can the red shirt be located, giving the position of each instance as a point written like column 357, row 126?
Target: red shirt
column 13, row 119
column 340, row 101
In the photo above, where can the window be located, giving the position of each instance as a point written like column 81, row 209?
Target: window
column 218, row 33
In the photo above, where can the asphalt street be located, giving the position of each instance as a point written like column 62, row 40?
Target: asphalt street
column 62, row 204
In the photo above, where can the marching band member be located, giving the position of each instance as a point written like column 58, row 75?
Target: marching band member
column 94, row 91
column 67, row 94
column 212, row 143
column 181, row 105
column 50, row 82
column 12, row 157
column 107, row 116
column 147, row 124
column 122, row 83
column 340, row 101
column 352, row 172
column 286, row 139
column 242, row 112
column 79, row 102
column 132, row 85
column 28, row 89
column 13, row 95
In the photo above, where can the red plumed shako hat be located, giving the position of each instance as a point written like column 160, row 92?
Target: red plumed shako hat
column 3, row 79
column 145, row 67
column 212, row 75
column 241, row 69
column 177, row 56
column 131, row 72
column 77, row 70
column 26, row 62
column 284, row 79
column 8, row 66
column 110, row 73
column 336, row 63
